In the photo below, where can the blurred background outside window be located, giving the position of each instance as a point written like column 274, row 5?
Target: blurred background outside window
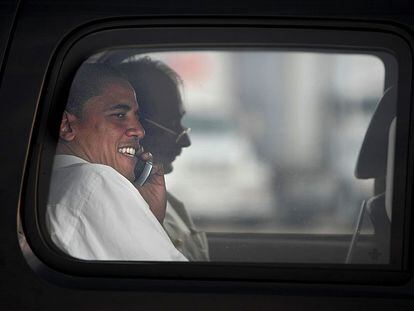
column 275, row 138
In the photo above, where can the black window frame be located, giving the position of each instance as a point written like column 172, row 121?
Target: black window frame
column 163, row 34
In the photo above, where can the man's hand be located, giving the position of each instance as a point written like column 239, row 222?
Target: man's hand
column 153, row 191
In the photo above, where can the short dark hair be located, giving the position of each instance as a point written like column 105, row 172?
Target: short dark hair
column 89, row 81
column 147, row 77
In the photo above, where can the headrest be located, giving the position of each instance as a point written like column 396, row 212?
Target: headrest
column 372, row 159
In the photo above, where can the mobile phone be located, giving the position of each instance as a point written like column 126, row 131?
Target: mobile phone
column 142, row 172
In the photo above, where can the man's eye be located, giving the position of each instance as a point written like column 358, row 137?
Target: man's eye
column 119, row 115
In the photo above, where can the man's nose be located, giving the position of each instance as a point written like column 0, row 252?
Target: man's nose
column 135, row 129
column 185, row 141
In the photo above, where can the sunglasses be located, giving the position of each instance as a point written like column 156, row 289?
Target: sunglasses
column 178, row 136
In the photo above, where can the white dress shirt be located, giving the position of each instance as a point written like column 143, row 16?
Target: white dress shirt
column 95, row 213
column 180, row 227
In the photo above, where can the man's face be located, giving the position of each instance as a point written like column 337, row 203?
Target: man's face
column 109, row 132
column 161, row 143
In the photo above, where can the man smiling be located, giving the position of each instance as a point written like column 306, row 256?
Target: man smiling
column 95, row 211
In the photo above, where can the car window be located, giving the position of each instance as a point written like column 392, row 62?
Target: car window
column 261, row 143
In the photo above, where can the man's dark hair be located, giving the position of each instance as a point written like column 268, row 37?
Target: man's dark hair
column 149, row 77
column 89, row 81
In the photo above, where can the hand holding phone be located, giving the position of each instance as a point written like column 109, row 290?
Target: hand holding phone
column 150, row 183
column 142, row 172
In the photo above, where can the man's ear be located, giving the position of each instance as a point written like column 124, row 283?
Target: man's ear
column 67, row 131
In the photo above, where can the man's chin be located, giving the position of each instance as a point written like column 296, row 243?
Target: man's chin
column 168, row 168
column 126, row 167
column 127, row 173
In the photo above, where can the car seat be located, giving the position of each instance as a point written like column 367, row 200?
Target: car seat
column 376, row 160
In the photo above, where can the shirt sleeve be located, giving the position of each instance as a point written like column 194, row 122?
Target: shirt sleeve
column 115, row 223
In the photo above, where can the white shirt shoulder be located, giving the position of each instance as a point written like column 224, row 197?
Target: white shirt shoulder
column 95, row 213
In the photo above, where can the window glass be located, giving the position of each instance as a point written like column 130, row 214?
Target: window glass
column 276, row 137
column 281, row 145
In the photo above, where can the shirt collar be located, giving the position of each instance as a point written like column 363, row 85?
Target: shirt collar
column 63, row 160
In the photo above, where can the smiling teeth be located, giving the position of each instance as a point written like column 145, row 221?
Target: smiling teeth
column 129, row 151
